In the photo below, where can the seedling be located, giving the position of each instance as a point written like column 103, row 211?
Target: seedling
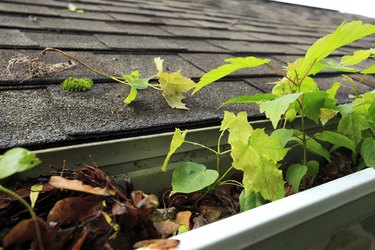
column 171, row 85
column 296, row 94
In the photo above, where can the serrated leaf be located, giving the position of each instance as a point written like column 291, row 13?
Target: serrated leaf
column 283, row 87
column 308, row 85
column 226, row 69
column 17, row 160
column 331, row 64
column 34, row 194
column 312, row 103
column 172, row 86
column 368, row 152
column 369, row 70
column 132, row 95
column 357, row 57
column 294, row 175
column 190, row 177
column 258, row 160
column 336, row 139
column 352, row 126
column 326, row 114
column 239, row 127
column 276, row 108
column 283, row 135
column 177, row 140
column 251, row 99
column 249, row 200
column 345, row 34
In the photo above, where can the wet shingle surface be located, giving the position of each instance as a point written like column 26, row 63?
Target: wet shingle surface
column 117, row 37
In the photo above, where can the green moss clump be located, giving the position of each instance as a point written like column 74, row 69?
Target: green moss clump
column 77, row 84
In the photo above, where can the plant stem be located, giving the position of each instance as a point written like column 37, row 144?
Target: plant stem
column 202, row 146
column 280, row 73
column 232, row 182
column 82, row 63
column 30, row 210
column 304, row 140
column 226, row 172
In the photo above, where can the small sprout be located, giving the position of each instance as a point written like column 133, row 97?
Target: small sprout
column 76, row 84
column 73, row 8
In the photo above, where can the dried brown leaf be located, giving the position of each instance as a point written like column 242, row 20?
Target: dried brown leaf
column 212, row 214
column 166, row 227
column 157, row 244
column 79, row 243
column 183, row 219
column 73, row 208
column 76, row 185
column 23, row 231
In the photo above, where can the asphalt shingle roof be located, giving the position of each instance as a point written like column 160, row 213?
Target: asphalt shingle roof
column 118, row 37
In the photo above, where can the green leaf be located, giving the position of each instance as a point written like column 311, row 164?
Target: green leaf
column 326, row 114
column 332, row 91
column 368, row 152
column 313, row 146
column 346, row 109
column 250, row 99
column 308, row 85
column 345, row 34
column 190, row 177
column 258, row 160
column 312, row 169
column 312, row 103
column 316, row 148
column 132, row 95
column 331, row 64
column 34, row 194
column 182, row 229
column 352, row 126
column 226, row 69
column 284, row 135
column 276, row 108
column 369, row 70
column 239, row 127
column 172, row 86
column 249, row 200
column 294, row 175
column 135, row 80
column 357, row 57
column 177, row 140
column 17, row 160
column 336, row 139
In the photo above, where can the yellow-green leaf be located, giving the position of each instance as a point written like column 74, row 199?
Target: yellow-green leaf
column 294, row 175
column 173, row 85
column 369, row 70
column 226, row 69
column 159, row 64
column 177, row 140
column 34, row 194
column 276, row 108
column 258, row 160
column 357, row 57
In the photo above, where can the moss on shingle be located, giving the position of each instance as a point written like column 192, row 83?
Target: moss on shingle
column 76, row 84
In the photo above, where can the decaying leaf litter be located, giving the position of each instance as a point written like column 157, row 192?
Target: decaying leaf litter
column 86, row 209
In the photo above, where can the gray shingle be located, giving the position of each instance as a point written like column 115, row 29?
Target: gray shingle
column 64, row 41
column 86, row 113
column 14, row 39
column 27, row 118
column 141, row 43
